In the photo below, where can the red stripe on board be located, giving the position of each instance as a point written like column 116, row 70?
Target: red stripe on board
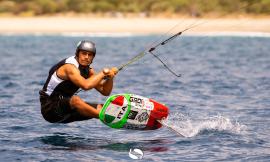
column 118, row 101
column 159, row 112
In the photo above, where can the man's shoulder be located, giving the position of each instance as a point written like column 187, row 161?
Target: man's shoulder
column 67, row 70
column 69, row 67
column 72, row 60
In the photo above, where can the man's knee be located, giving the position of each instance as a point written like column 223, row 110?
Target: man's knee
column 75, row 101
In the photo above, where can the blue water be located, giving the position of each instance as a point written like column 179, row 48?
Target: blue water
column 220, row 104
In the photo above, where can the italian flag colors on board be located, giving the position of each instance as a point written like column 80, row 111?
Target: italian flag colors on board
column 132, row 112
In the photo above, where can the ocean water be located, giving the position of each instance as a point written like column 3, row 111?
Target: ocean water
column 220, row 105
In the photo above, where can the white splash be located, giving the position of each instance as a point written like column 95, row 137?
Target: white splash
column 186, row 127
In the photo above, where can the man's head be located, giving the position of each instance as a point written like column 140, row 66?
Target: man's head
column 85, row 52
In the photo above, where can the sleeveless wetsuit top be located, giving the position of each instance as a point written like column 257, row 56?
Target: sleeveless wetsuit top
column 55, row 86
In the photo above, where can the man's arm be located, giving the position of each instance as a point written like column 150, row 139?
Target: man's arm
column 71, row 73
column 106, row 85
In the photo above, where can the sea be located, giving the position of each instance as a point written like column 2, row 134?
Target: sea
column 219, row 107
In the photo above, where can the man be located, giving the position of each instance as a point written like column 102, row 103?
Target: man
column 59, row 104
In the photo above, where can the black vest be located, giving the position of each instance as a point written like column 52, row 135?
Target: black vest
column 66, row 88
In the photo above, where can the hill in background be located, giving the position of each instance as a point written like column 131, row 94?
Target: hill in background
column 144, row 8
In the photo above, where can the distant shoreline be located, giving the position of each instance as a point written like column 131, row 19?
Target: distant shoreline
column 130, row 26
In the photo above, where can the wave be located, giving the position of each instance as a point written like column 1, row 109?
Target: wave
column 187, row 127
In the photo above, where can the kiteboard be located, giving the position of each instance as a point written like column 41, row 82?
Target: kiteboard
column 132, row 111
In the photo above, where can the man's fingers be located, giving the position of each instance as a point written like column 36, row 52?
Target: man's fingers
column 115, row 70
column 106, row 71
column 110, row 72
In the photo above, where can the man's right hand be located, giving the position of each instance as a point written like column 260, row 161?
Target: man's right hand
column 106, row 71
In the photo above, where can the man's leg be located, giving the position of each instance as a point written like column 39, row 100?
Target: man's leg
column 83, row 108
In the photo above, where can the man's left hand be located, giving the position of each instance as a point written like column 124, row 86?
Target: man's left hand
column 110, row 72
column 114, row 70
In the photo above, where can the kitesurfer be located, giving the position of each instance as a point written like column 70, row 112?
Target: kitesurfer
column 58, row 99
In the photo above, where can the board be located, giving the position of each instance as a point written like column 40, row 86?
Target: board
column 132, row 111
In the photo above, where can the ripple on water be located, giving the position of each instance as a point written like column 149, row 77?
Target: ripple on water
column 221, row 75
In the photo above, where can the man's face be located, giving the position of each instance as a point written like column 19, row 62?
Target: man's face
column 85, row 58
